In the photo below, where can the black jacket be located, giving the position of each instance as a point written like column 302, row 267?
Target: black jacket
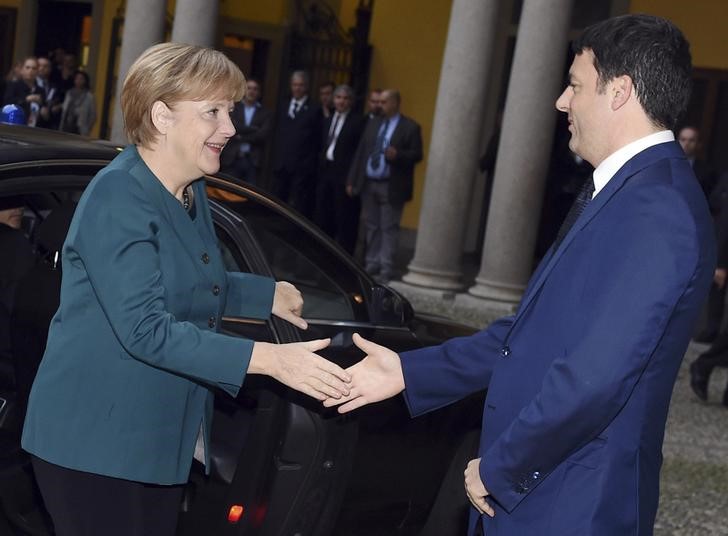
column 344, row 150
column 256, row 134
column 298, row 139
column 16, row 93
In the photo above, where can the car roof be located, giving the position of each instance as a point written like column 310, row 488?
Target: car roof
column 19, row 143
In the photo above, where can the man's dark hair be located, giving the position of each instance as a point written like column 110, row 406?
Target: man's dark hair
column 653, row 52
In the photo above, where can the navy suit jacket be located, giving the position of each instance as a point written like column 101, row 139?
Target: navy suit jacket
column 579, row 379
column 123, row 388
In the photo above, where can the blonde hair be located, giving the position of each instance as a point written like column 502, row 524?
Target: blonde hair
column 173, row 72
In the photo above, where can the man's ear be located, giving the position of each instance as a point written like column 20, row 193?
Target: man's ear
column 621, row 89
column 161, row 116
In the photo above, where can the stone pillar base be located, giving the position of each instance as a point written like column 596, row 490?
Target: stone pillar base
column 434, row 279
column 418, row 293
column 497, row 291
column 461, row 307
column 490, row 309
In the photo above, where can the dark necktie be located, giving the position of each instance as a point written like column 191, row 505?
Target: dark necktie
column 582, row 200
column 293, row 111
column 379, row 145
column 332, row 130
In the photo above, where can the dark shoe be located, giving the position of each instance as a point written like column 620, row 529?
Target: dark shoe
column 725, row 396
column 698, row 382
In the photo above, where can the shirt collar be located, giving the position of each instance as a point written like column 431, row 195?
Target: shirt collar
column 610, row 165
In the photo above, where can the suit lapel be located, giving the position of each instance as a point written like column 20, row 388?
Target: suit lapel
column 640, row 161
column 398, row 131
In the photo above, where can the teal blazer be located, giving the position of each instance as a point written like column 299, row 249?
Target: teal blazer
column 123, row 388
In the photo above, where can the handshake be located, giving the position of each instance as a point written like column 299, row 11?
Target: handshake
column 376, row 377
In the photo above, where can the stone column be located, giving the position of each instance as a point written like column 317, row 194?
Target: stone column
column 25, row 29
column 453, row 153
column 524, row 151
column 195, row 22
column 143, row 27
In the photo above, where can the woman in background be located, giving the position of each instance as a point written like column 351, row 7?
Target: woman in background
column 79, row 107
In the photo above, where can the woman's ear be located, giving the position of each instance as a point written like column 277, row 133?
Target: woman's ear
column 161, row 116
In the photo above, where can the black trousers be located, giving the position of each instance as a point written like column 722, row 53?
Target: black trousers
column 86, row 504
column 297, row 188
column 336, row 213
column 714, row 312
column 715, row 356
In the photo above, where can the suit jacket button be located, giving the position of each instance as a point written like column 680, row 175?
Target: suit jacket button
column 205, row 258
column 216, row 290
column 505, row 351
column 211, row 322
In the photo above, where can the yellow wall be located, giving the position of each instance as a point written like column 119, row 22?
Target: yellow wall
column 98, row 79
column 408, row 40
column 269, row 11
column 702, row 21
column 347, row 13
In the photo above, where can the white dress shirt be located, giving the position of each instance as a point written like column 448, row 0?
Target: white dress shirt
column 610, row 165
column 337, row 122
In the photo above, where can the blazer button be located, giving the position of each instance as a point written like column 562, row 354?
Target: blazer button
column 205, row 258
column 505, row 351
column 216, row 290
column 211, row 322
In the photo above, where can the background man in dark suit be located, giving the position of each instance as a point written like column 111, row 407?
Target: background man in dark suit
column 326, row 98
column 689, row 139
column 374, row 105
column 717, row 354
column 579, row 380
column 50, row 112
column 243, row 155
column 337, row 213
column 298, row 140
column 383, row 173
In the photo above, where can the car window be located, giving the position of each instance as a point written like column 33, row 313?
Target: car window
column 330, row 287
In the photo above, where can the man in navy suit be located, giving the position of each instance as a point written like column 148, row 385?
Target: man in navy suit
column 579, row 379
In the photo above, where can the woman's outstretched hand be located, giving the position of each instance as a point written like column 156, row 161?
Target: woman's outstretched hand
column 297, row 366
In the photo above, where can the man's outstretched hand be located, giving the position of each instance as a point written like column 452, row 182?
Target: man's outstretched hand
column 376, row 377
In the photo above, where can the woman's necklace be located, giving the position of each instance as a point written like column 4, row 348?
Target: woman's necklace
column 186, row 199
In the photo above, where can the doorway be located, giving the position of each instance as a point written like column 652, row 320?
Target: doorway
column 65, row 25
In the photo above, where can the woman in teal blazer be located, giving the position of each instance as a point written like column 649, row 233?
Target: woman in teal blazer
column 121, row 402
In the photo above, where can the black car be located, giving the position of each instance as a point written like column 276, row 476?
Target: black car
column 281, row 464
